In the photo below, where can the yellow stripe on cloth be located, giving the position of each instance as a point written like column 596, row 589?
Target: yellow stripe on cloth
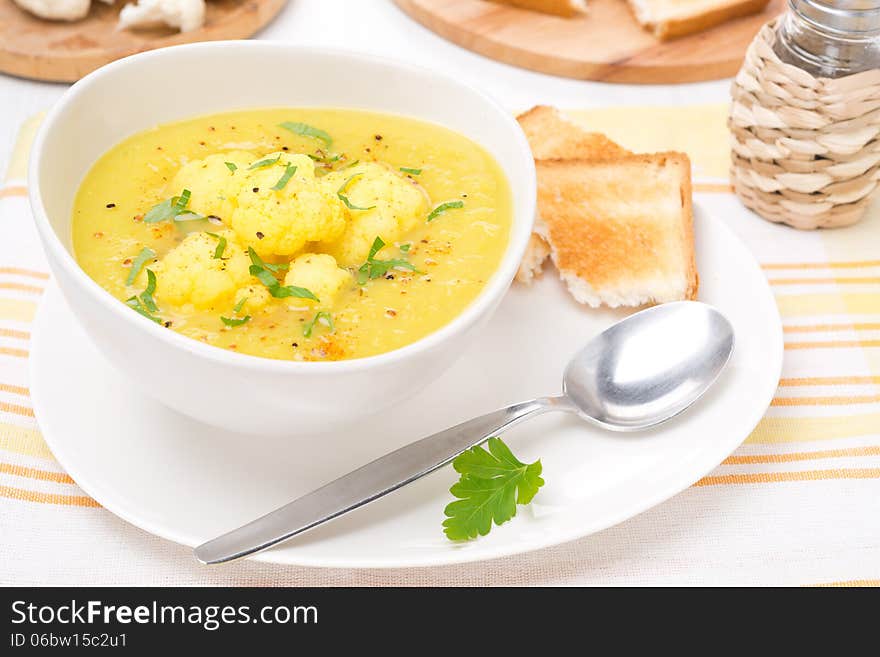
column 776, row 430
column 779, row 477
column 17, row 310
column 47, row 498
column 799, row 305
column 35, row 473
column 18, row 163
column 792, row 457
column 21, row 440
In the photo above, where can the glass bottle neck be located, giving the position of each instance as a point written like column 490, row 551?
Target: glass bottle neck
column 830, row 39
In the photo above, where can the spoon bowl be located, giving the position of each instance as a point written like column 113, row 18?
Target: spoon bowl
column 650, row 366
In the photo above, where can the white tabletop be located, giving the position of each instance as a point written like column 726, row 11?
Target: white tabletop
column 379, row 27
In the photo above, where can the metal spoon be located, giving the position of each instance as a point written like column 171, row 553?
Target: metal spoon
column 638, row 373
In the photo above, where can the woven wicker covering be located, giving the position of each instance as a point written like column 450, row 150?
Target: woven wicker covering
column 805, row 150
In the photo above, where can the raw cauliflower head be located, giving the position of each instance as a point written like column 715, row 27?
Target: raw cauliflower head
column 319, row 273
column 282, row 221
column 213, row 186
column 400, row 203
column 190, row 274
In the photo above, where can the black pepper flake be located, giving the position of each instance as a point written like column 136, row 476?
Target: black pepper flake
column 295, row 344
column 256, row 189
column 378, row 137
column 111, row 205
column 389, row 277
column 285, row 148
column 167, row 324
column 260, row 235
column 201, row 143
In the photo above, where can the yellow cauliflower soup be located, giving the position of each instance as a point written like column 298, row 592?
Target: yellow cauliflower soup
column 297, row 234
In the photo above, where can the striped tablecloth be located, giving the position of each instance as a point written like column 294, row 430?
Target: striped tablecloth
column 797, row 504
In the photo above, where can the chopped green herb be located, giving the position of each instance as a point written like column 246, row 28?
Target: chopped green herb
column 324, row 158
column 257, row 260
column 265, row 273
column 404, row 248
column 285, row 177
column 231, row 321
column 374, row 268
column 169, row 208
column 344, row 198
column 414, row 172
column 189, row 216
column 144, row 303
column 237, row 308
column 269, row 161
column 492, row 483
column 232, row 166
column 305, row 130
column 135, row 304
column 221, row 245
column 321, row 316
column 147, row 295
column 146, row 254
column 443, row 207
column 350, row 165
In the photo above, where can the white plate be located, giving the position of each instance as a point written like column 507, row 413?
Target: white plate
column 187, row 483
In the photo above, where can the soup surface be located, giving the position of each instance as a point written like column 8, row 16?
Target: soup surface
column 299, row 234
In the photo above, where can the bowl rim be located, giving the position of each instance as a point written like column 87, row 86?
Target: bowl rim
column 491, row 292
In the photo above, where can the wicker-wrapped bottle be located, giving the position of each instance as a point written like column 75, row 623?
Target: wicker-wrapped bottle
column 805, row 117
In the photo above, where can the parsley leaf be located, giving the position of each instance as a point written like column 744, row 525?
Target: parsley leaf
column 232, row 166
column 269, row 161
column 305, row 130
column 146, row 254
column 492, row 483
column 285, row 177
column 237, row 308
column 170, row 208
column 443, row 207
column 344, row 198
column 265, row 273
column 412, row 172
column 374, row 268
column 231, row 321
column 221, row 245
column 321, row 316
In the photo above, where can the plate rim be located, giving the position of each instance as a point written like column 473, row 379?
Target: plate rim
column 542, row 540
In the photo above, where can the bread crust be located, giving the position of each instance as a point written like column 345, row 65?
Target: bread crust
column 689, row 24
column 564, row 8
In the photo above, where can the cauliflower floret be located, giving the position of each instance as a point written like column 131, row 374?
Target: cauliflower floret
column 318, row 273
column 282, row 221
column 213, row 186
column 399, row 202
column 186, row 15
column 56, row 10
column 256, row 297
column 190, row 274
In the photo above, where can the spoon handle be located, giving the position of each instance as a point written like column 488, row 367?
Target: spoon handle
column 369, row 482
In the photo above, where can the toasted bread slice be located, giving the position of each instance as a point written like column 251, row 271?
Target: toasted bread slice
column 668, row 19
column 620, row 231
column 552, row 136
column 565, row 8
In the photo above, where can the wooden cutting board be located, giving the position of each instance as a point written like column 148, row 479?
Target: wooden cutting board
column 605, row 44
column 64, row 52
